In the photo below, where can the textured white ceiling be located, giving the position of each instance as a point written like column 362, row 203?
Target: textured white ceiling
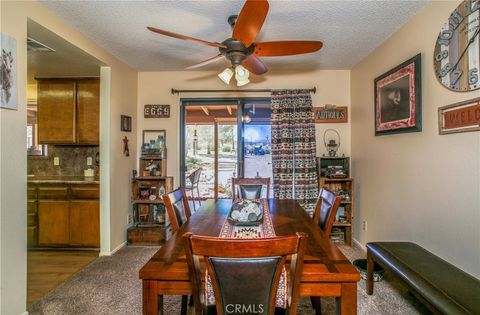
column 350, row 30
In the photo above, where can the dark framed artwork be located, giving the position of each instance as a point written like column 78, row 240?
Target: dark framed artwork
column 398, row 99
column 125, row 123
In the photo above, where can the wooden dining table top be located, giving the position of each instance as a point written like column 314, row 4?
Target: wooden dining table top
column 324, row 262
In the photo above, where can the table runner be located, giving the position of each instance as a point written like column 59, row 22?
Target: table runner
column 264, row 230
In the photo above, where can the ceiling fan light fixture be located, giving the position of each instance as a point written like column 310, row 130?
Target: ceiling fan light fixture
column 226, row 75
column 241, row 74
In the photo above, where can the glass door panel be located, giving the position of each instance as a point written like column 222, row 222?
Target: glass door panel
column 227, row 157
column 200, row 153
column 210, row 144
column 257, row 158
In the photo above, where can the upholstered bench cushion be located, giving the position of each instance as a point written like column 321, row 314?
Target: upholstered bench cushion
column 447, row 288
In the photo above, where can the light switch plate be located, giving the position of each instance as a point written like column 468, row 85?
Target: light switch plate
column 56, row 161
column 89, row 161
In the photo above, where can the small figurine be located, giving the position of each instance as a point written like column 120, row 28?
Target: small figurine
column 126, row 151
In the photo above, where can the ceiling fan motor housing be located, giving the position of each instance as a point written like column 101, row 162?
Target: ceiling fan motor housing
column 235, row 51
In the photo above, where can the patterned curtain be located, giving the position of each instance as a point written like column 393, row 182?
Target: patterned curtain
column 294, row 148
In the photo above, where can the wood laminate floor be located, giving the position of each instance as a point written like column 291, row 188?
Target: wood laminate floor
column 48, row 269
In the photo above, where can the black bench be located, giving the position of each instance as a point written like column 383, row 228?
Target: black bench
column 438, row 284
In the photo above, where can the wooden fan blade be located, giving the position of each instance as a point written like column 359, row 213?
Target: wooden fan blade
column 254, row 65
column 250, row 21
column 180, row 36
column 205, row 62
column 286, row 48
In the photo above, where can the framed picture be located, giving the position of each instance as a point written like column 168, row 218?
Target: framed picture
column 398, row 99
column 8, row 73
column 125, row 123
column 155, row 139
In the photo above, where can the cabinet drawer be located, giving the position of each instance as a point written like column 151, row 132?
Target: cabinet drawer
column 85, row 192
column 31, row 219
column 31, row 206
column 32, row 236
column 31, row 192
column 53, row 192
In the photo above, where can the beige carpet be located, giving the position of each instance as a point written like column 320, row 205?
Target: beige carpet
column 110, row 285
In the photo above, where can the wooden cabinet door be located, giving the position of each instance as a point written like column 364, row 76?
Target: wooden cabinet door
column 85, row 223
column 56, row 111
column 88, row 111
column 53, row 222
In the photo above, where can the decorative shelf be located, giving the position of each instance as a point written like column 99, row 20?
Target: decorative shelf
column 326, row 179
column 336, row 223
column 151, row 177
column 147, row 201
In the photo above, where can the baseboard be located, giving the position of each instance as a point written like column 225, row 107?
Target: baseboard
column 119, row 247
column 360, row 245
column 25, row 313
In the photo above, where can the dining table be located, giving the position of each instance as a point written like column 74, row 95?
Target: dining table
column 326, row 270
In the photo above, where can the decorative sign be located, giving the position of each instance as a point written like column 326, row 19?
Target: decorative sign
column 331, row 114
column 459, row 117
column 156, row 111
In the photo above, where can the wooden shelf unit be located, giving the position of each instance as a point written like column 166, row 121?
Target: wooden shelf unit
column 150, row 221
column 342, row 228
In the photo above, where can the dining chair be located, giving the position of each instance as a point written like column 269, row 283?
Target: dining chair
column 178, row 212
column 194, row 179
column 326, row 210
column 324, row 216
column 245, row 273
column 250, row 188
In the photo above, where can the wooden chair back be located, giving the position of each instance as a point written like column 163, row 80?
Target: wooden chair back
column 250, row 181
column 245, row 271
column 177, row 208
column 326, row 210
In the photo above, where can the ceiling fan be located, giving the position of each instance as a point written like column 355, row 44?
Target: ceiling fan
column 241, row 49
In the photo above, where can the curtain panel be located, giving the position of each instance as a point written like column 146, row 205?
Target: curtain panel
column 294, row 147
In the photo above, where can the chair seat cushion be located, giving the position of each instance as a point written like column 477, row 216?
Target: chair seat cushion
column 447, row 288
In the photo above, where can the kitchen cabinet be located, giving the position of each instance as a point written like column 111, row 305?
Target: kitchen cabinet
column 85, row 214
column 88, row 111
column 53, row 223
column 56, row 111
column 32, row 215
column 68, row 111
column 86, row 230
column 68, row 215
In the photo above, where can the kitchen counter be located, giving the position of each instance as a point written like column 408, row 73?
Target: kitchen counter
column 63, row 180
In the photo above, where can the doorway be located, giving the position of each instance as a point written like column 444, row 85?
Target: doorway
column 221, row 139
column 63, row 195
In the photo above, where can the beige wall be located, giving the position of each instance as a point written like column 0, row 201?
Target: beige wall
column 122, row 100
column 419, row 187
column 333, row 87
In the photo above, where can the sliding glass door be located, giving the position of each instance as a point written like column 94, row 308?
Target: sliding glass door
column 224, row 138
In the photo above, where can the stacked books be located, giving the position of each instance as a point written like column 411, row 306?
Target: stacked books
column 337, row 235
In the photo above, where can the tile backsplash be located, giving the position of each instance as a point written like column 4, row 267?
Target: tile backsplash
column 73, row 160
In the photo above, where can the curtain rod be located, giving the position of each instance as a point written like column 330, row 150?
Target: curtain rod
column 175, row 91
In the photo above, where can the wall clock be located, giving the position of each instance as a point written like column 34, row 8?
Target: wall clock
column 457, row 50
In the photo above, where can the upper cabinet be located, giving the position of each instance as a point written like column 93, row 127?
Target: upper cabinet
column 88, row 111
column 68, row 111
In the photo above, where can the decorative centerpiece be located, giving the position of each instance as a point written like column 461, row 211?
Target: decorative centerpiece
column 246, row 213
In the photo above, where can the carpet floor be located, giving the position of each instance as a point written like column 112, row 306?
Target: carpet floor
column 110, row 285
